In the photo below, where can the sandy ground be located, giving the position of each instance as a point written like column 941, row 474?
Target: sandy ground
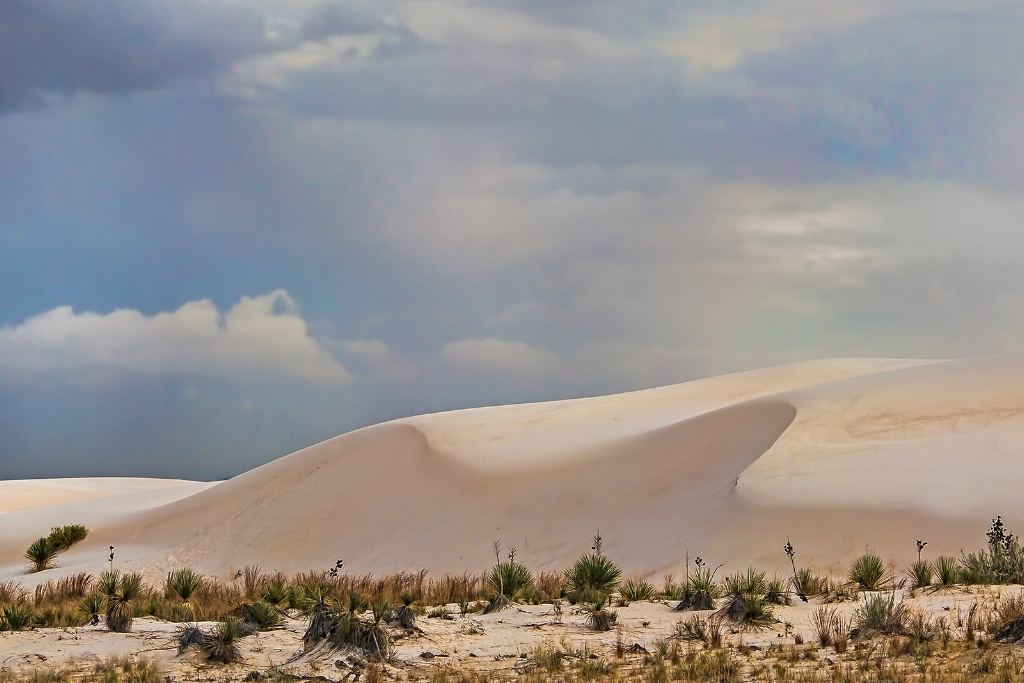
column 506, row 641
column 837, row 455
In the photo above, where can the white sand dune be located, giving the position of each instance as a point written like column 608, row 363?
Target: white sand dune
column 837, row 455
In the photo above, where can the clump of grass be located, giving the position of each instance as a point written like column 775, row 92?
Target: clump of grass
column 807, row 584
column 41, row 554
column 92, row 605
column 775, row 592
column 275, row 591
column 867, row 572
column 880, row 614
column 599, row 617
column 634, row 590
column 183, row 583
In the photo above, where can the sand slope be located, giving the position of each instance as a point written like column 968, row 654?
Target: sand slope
column 837, row 455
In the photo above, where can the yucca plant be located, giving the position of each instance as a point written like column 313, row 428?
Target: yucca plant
column 17, row 617
column 406, row 614
column 634, row 590
column 221, row 645
column 807, row 584
column 506, row 580
column 190, row 635
column 591, row 577
column 275, row 592
column 122, row 591
column 599, row 617
column 184, row 583
column 746, row 585
column 920, row 574
column 947, row 572
column 868, row 572
column 41, row 554
column 321, row 621
column 91, row 605
column 700, row 591
column 775, row 592
column 265, row 617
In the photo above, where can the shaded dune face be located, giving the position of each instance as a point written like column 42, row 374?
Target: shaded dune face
column 386, row 501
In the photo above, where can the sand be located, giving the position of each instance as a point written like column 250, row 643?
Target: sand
column 837, row 455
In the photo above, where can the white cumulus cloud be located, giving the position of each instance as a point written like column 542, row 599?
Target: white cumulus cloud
column 261, row 337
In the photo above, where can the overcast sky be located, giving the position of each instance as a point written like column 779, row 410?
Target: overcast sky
column 232, row 229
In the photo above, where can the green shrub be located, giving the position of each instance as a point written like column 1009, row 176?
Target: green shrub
column 947, row 571
column 183, row 583
column 509, row 578
column 122, row 593
column 275, row 592
column 63, row 537
column 634, row 590
column 266, row 617
column 747, row 585
column 592, row 576
column 775, row 592
column 868, row 572
column 807, row 584
column 41, row 554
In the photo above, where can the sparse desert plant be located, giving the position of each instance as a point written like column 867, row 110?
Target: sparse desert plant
column 867, row 572
column 41, row 554
column 11, row 591
column 63, row 537
column 920, row 574
column 221, row 644
column 253, row 580
column 591, row 576
column 750, row 610
column 693, row 628
column 701, row 591
column 823, row 623
column 880, row 614
column 599, row 617
column 16, row 617
column 635, row 590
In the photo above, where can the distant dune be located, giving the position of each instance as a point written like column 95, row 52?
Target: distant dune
column 836, row 455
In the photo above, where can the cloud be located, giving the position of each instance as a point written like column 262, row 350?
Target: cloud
column 259, row 338
column 50, row 48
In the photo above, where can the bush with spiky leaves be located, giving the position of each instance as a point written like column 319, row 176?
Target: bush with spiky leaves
column 264, row 616
column 183, row 583
column 775, row 592
column 920, row 574
column 17, row 617
column 746, row 585
column 807, row 584
column 92, row 605
column 634, row 590
column 221, row 645
column 41, row 554
column 406, row 614
column 599, row 617
column 507, row 580
column 947, row 572
column 591, row 577
column 700, row 591
column 868, row 572
column 122, row 591
column 275, row 591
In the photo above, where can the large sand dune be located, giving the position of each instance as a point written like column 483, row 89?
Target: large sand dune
column 837, row 455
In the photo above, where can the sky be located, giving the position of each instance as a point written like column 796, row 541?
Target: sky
column 229, row 230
